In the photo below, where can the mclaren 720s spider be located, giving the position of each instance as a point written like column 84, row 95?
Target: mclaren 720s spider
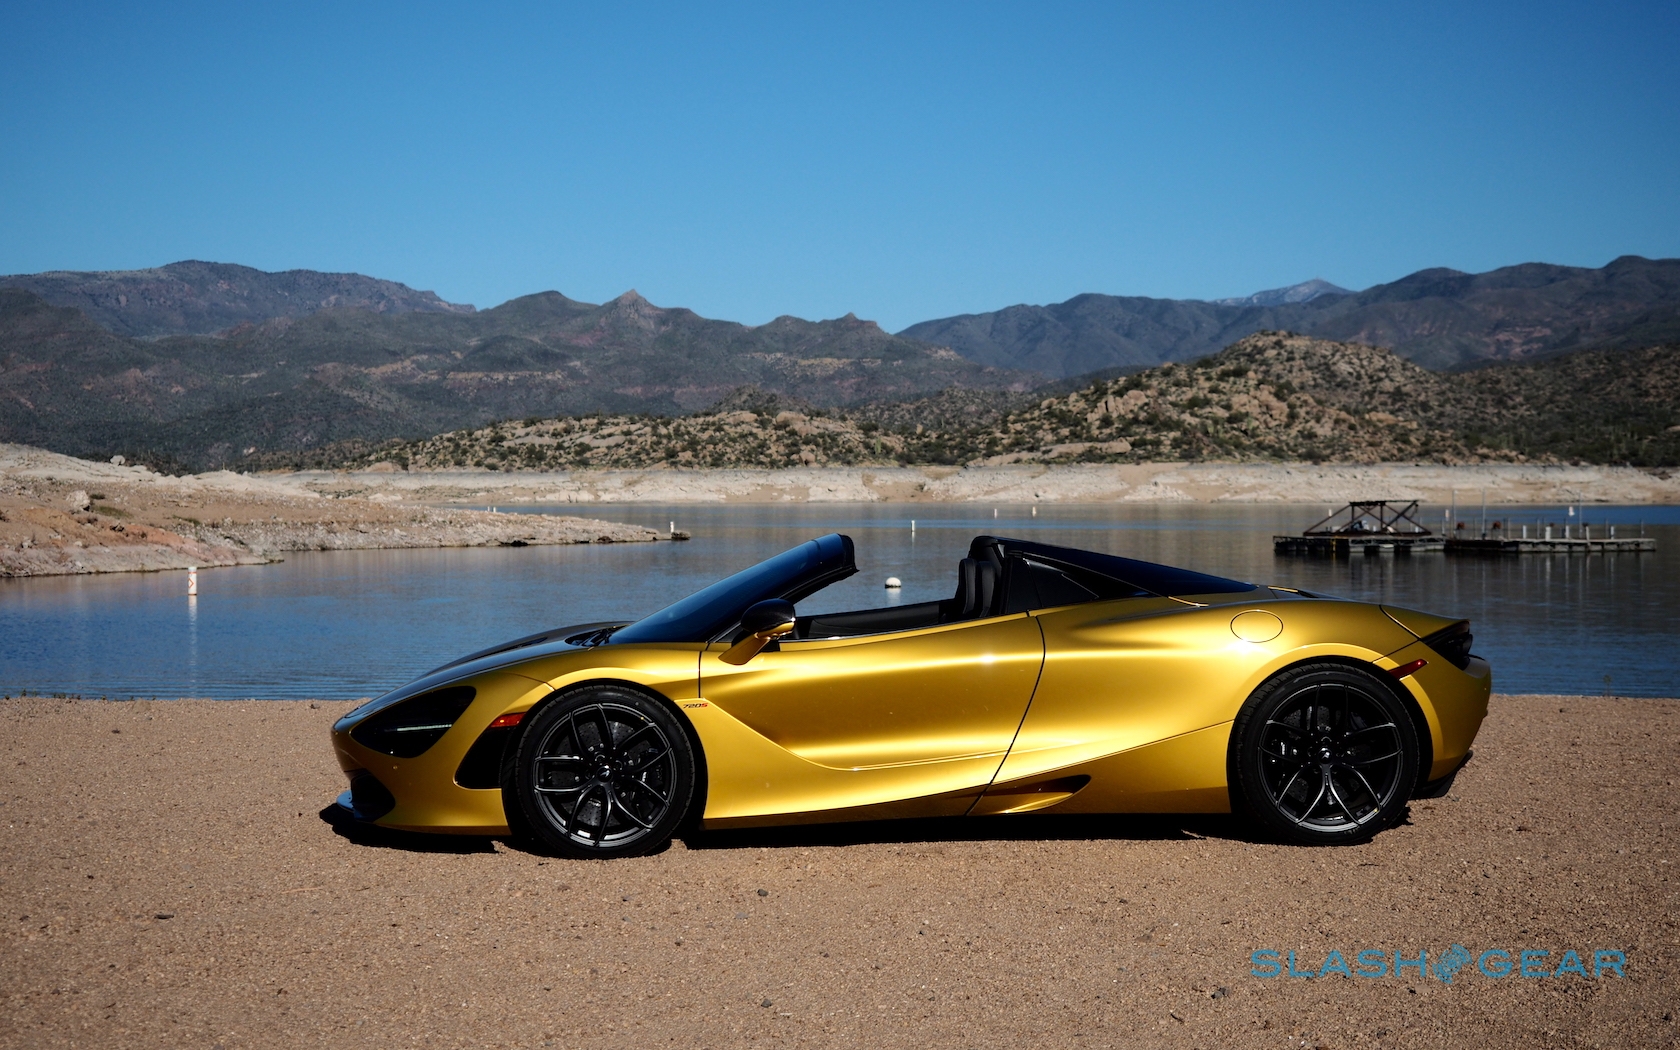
column 1054, row 681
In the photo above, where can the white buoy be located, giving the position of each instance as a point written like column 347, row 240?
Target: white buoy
column 1035, row 512
column 994, row 512
column 673, row 528
column 894, row 583
column 912, row 526
column 192, row 581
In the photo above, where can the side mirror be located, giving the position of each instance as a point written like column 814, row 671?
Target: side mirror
column 762, row 622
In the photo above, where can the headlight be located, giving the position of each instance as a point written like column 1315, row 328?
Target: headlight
column 408, row 727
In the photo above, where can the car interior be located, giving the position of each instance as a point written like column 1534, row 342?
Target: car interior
column 990, row 582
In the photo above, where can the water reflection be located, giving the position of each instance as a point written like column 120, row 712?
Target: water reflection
column 349, row 624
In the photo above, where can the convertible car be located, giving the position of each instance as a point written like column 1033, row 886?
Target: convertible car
column 1053, row 681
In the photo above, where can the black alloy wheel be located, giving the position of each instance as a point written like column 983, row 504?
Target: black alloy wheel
column 1324, row 754
column 603, row 772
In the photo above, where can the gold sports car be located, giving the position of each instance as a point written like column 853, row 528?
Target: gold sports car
column 1054, row 681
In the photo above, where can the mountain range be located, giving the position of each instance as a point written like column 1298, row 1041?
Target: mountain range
column 197, row 298
column 201, row 365
column 1439, row 318
column 343, row 373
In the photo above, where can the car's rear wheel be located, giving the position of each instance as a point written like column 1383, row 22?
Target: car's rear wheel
column 605, row 771
column 1324, row 754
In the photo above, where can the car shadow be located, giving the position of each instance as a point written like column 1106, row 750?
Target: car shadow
column 1048, row 828
column 375, row 837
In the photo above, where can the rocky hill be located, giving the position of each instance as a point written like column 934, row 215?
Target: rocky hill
column 338, row 374
column 1439, row 318
column 196, row 298
column 1270, row 396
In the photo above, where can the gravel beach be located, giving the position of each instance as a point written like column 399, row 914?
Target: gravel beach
column 169, row 880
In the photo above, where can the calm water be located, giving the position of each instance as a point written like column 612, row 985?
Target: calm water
column 348, row 624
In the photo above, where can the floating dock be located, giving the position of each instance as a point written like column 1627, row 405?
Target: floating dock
column 1520, row 545
column 1343, row 546
column 1371, row 527
column 1375, row 527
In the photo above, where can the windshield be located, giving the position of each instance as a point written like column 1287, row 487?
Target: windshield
column 708, row 612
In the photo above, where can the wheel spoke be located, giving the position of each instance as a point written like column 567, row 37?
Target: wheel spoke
column 1376, row 799
column 576, row 760
column 628, row 812
column 1323, row 783
column 1336, row 796
column 1281, row 795
column 1285, row 726
column 604, row 727
column 642, row 785
column 1369, row 729
column 1370, row 761
column 561, row 791
column 606, row 812
column 630, row 741
column 648, row 763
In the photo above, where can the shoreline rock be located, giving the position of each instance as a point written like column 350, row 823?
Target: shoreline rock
column 65, row 516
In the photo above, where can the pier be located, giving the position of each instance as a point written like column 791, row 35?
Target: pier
column 1556, row 545
column 1375, row 527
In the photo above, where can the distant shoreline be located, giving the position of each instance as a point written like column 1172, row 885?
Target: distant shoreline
column 65, row 516
column 1306, row 483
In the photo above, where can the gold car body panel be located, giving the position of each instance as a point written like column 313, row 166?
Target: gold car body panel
column 429, row 799
column 1421, row 624
column 839, row 723
column 1453, row 702
column 1149, row 673
column 1184, row 774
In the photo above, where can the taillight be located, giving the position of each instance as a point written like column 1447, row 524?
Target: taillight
column 1453, row 644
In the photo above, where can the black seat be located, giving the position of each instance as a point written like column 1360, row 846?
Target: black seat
column 976, row 585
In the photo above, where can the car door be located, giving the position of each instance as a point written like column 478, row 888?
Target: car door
column 918, row 720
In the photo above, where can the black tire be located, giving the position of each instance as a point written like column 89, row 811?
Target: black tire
column 604, row 772
column 1323, row 754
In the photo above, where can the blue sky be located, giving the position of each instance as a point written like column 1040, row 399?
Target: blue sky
column 903, row 162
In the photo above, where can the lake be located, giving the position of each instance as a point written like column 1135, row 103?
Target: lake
column 340, row 625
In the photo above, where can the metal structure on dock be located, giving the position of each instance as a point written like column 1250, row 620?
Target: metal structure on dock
column 1387, row 527
column 1363, row 527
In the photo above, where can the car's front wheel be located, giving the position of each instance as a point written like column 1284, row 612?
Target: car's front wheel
column 1324, row 754
column 605, row 771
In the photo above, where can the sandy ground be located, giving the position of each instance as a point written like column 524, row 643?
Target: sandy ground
column 168, row 881
column 61, row 515
column 1094, row 483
